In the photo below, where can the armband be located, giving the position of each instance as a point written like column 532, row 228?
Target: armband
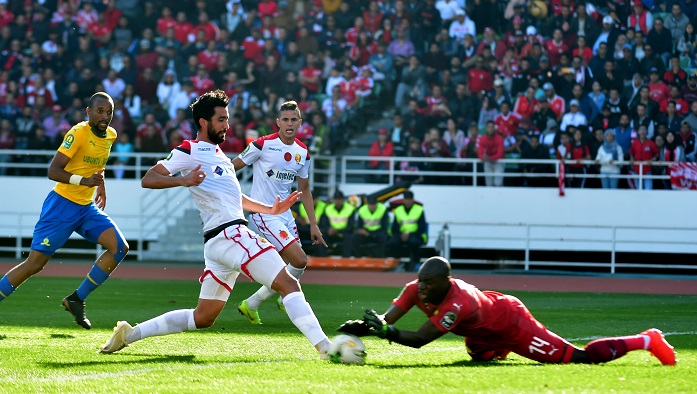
column 75, row 179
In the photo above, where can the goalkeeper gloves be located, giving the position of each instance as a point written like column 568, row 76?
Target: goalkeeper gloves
column 355, row 327
column 379, row 327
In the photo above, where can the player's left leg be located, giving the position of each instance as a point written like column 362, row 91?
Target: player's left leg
column 98, row 228
column 608, row 349
column 283, row 234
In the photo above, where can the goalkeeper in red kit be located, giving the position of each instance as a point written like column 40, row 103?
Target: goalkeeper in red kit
column 492, row 323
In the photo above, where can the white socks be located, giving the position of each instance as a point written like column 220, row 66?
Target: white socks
column 303, row 317
column 264, row 293
column 170, row 323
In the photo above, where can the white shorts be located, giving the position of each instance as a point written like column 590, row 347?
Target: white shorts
column 237, row 249
column 280, row 230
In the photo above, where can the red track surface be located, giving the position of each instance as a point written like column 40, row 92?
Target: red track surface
column 134, row 270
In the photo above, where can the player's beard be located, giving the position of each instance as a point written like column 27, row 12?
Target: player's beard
column 216, row 137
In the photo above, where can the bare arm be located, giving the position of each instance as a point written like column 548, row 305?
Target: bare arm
column 238, row 163
column 382, row 326
column 251, row 205
column 309, row 204
column 57, row 172
column 158, row 177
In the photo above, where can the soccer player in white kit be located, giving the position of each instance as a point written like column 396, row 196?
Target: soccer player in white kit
column 230, row 247
column 278, row 160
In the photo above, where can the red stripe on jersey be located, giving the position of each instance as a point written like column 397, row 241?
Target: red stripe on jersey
column 185, row 147
column 264, row 226
column 212, row 275
column 259, row 143
column 244, row 265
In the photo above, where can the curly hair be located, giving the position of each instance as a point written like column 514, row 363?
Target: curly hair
column 204, row 106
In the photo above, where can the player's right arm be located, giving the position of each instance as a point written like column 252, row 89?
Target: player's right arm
column 159, row 177
column 57, row 172
column 238, row 163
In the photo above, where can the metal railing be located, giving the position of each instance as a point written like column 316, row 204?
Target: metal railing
column 532, row 238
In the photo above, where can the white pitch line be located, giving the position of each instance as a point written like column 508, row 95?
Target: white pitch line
column 130, row 372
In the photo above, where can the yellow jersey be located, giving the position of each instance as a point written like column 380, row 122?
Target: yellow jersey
column 88, row 155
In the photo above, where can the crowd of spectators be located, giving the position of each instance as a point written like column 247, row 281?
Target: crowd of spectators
column 482, row 79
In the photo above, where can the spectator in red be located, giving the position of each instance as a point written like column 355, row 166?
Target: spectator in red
column 211, row 29
column 658, row 90
column 585, row 52
column 165, row 21
column 253, row 46
column 676, row 75
column 6, row 16
column 681, row 106
column 498, row 48
column 86, row 16
column 479, row 79
column 382, row 147
column 555, row 47
column 310, row 76
column 643, row 151
column 372, row 17
column 349, row 88
column 556, row 103
column 437, row 105
column 361, row 51
column 365, row 82
column 112, row 14
column 201, row 81
column 267, row 8
column 150, row 121
column 640, row 19
column 147, row 58
column 507, row 122
column 526, row 104
column 183, row 29
column 490, row 152
column 579, row 151
column 210, row 56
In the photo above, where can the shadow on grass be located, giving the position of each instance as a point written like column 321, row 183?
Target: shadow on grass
column 461, row 363
column 117, row 359
column 62, row 336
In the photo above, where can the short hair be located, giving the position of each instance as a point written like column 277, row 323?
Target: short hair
column 100, row 95
column 290, row 105
column 204, row 106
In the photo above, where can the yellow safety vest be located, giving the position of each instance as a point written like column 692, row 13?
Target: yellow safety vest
column 319, row 210
column 339, row 219
column 372, row 220
column 409, row 222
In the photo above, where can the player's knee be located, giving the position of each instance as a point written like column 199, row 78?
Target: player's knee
column 284, row 284
column 122, row 249
column 204, row 320
column 300, row 262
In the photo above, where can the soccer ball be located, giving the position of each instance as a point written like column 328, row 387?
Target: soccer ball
column 347, row 349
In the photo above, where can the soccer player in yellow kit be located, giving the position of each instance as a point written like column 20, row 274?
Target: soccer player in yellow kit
column 73, row 205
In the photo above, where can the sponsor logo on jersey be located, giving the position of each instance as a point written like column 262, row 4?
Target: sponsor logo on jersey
column 287, row 156
column 93, row 144
column 245, row 151
column 275, row 149
column 68, row 142
column 203, row 149
column 46, row 242
column 101, row 161
column 169, row 156
column 218, row 170
column 297, row 158
column 281, row 175
column 448, row 320
column 283, row 234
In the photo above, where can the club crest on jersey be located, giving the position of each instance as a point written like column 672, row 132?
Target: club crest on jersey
column 297, row 158
column 448, row 320
column 283, row 234
column 287, row 156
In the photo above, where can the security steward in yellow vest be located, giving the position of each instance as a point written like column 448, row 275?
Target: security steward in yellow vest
column 408, row 231
column 337, row 225
column 302, row 222
column 371, row 228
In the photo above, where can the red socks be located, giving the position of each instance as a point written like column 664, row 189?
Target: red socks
column 608, row 349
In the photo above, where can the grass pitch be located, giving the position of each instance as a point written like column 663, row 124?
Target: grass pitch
column 42, row 350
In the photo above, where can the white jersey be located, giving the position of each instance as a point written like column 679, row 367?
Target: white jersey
column 218, row 197
column 276, row 165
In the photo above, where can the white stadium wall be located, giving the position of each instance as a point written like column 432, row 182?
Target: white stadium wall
column 489, row 218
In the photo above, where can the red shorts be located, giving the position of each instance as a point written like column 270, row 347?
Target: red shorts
column 526, row 337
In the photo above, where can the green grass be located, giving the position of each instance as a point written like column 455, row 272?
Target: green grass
column 42, row 350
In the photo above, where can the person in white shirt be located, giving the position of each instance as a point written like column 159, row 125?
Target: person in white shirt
column 573, row 117
column 230, row 247
column 462, row 26
column 278, row 160
column 447, row 9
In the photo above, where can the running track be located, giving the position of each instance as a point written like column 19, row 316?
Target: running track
column 620, row 284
